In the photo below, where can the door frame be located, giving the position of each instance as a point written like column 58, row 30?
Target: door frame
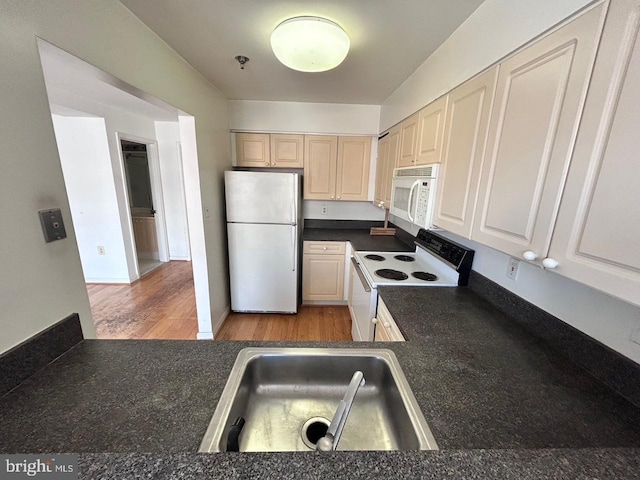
column 156, row 191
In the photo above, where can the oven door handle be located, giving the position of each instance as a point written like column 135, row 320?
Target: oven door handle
column 413, row 187
column 356, row 266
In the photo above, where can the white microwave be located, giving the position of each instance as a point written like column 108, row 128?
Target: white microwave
column 413, row 194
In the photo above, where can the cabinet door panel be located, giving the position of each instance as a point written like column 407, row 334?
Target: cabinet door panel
column 539, row 98
column 287, row 151
column 252, row 150
column 320, row 158
column 431, row 132
column 381, row 170
column 323, row 277
column 597, row 232
column 354, row 155
column 408, row 141
column 467, row 120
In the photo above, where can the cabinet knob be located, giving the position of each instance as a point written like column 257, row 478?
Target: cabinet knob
column 332, row 197
column 530, row 255
column 386, row 324
column 338, row 197
column 374, row 320
column 324, row 248
column 549, row 263
column 274, row 164
column 266, row 163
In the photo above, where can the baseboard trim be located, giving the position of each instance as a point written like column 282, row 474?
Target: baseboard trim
column 204, row 336
column 179, row 258
column 220, row 321
column 107, row 280
column 32, row 355
column 325, row 303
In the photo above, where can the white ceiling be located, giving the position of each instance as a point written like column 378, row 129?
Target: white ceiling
column 389, row 40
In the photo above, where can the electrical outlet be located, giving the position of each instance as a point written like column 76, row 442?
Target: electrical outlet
column 101, row 250
column 324, row 210
column 512, row 268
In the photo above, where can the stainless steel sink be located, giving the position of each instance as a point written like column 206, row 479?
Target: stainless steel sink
column 287, row 397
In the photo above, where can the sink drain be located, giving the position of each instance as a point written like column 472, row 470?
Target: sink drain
column 313, row 430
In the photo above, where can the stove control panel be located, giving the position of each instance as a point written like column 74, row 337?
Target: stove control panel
column 457, row 255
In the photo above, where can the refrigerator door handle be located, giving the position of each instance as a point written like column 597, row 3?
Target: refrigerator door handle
column 295, row 247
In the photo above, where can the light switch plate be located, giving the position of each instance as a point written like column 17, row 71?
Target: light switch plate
column 52, row 224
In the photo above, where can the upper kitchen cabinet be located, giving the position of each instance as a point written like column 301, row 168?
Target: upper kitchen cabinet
column 352, row 180
column 539, row 98
column 409, row 141
column 431, row 132
column 287, row 150
column 465, row 133
column 336, row 168
column 597, row 232
column 387, row 157
column 320, row 165
column 252, row 150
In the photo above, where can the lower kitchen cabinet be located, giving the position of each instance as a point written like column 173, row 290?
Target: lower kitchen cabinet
column 323, row 272
column 386, row 328
column 597, row 234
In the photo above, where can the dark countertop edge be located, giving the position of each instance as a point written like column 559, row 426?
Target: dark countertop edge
column 486, row 464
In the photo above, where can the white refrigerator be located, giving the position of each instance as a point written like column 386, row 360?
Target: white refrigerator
column 263, row 231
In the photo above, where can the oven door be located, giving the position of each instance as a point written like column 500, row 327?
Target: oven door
column 362, row 303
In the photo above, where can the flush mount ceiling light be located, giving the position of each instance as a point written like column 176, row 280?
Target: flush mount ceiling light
column 310, row 44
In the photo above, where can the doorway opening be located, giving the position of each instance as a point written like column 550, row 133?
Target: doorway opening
column 141, row 205
column 120, row 151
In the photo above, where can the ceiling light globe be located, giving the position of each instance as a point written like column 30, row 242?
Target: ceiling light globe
column 310, row 44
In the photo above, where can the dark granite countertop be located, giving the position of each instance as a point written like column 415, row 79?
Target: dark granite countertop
column 500, row 403
column 360, row 239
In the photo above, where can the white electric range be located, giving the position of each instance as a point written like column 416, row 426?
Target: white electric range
column 436, row 262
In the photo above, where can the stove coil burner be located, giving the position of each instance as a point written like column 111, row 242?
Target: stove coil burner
column 376, row 258
column 391, row 274
column 404, row 258
column 429, row 277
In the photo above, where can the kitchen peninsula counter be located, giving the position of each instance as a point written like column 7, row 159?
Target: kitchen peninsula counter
column 499, row 403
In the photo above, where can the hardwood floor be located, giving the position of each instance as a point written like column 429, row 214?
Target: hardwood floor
column 311, row 323
column 161, row 305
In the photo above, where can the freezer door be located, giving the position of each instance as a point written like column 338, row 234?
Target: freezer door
column 263, row 267
column 262, row 197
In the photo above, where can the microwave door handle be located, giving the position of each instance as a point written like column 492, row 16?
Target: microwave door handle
column 413, row 187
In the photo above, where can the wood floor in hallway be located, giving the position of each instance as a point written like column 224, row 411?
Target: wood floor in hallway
column 311, row 323
column 161, row 305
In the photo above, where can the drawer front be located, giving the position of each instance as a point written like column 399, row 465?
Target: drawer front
column 386, row 322
column 325, row 248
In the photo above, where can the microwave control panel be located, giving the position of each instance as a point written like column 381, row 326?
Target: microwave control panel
column 422, row 204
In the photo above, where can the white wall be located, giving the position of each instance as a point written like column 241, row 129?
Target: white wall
column 86, row 164
column 41, row 283
column 300, row 117
column 494, row 30
column 168, row 136
column 119, row 121
column 341, row 210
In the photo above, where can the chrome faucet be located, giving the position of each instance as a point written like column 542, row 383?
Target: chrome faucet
column 330, row 441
